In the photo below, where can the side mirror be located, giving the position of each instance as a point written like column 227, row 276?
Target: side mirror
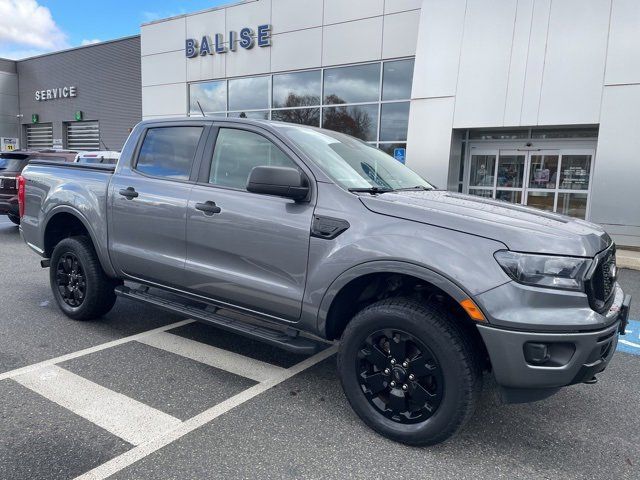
column 281, row 181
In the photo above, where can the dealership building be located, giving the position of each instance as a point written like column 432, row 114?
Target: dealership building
column 535, row 102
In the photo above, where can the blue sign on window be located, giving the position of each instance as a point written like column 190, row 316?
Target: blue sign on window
column 400, row 154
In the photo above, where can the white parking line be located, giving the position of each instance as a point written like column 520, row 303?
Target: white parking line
column 86, row 351
column 137, row 453
column 215, row 357
column 120, row 415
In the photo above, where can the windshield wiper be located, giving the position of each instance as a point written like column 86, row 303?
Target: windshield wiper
column 372, row 190
column 417, row 187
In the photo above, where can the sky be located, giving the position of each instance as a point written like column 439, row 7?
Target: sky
column 34, row 27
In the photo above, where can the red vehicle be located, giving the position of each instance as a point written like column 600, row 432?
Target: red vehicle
column 11, row 165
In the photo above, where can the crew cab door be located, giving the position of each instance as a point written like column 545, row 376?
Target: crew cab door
column 248, row 250
column 149, row 202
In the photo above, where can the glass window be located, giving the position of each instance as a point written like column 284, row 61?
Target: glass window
column 360, row 83
column 481, row 192
column 237, row 152
column 258, row 115
column 390, row 149
column 481, row 171
column 300, row 89
column 573, row 204
column 302, row 116
column 564, row 133
column 510, row 171
column 574, row 173
column 543, row 171
column 211, row 95
column 497, row 134
column 513, row 196
column 394, row 122
column 249, row 93
column 169, row 152
column 360, row 121
column 397, row 78
column 350, row 162
column 541, row 200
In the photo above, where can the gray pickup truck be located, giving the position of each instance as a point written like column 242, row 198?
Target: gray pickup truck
column 284, row 233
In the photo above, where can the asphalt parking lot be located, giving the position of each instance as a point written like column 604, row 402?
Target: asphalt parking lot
column 144, row 394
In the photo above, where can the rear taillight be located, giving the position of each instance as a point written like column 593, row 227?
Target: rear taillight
column 21, row 194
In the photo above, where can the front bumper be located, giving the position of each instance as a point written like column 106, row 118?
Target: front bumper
column 569, row 357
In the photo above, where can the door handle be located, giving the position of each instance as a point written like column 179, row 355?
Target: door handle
column 129, row 192
column 209, row 207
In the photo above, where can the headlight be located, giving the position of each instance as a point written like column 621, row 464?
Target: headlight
column 566, row 273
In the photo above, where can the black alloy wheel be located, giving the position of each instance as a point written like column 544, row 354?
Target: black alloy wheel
column 400, row 376
column 409, row 370
column 71, row 280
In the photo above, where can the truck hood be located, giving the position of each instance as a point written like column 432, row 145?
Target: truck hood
column 520, row 228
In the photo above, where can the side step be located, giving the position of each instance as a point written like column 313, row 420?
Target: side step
column 292, row 343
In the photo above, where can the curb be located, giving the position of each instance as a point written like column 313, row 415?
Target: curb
column 628, row 260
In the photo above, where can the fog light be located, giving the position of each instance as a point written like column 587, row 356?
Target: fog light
column 536, row 353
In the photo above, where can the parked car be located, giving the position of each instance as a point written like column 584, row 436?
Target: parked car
column 11, row 165
column 305, row 232
column 106, row 157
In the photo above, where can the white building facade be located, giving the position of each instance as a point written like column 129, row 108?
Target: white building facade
column 531, row 101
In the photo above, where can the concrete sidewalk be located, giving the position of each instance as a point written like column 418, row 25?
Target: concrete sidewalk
column 628, row 259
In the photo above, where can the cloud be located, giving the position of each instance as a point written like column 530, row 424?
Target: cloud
column 28, row 27
column 159, row 15
column 90, row 42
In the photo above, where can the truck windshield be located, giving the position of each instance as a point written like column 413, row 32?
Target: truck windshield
column 353, row 164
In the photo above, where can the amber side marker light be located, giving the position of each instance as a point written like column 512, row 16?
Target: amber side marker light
column 472, row 310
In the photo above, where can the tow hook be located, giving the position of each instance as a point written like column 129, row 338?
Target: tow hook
column 592, row 381
column 45, row 262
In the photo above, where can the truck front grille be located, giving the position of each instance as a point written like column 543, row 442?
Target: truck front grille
column 600, row 286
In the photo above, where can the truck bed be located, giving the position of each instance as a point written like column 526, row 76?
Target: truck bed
column 58, row 188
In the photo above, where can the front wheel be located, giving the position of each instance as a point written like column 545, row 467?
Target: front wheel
column 79, row 285
column 408, row 371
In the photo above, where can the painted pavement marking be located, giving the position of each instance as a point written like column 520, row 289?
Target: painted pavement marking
column 213, row 356
column 137, row 453
column 129, row 419
column 87, row 351
column 630, row 343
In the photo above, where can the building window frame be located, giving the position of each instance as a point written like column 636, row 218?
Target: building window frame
column 377, row 142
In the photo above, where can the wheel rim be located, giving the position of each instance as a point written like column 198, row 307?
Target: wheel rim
column 70, row 280
column 400, row 376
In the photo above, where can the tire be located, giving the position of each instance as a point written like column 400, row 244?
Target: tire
column 96, row 294
column 453, row 386
column 14, row 219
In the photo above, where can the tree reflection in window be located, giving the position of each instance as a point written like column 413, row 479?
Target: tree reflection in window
column 359, row 121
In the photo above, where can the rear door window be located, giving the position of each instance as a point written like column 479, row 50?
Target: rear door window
column 12, row 162
column 168, row 152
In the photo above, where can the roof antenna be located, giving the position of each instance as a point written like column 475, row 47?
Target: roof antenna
column 104, row 144
column 200, row 107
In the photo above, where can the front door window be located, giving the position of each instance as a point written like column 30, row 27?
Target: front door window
column 552, row 180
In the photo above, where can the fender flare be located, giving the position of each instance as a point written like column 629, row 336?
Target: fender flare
column 384, row 266
column 103, row 256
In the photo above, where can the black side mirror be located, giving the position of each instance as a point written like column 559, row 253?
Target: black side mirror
column 281, row 181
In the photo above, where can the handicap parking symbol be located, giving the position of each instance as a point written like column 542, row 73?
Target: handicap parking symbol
column 630, row 342
column 400, row 154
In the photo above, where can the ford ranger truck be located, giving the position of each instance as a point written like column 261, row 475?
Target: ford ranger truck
column 284, row 233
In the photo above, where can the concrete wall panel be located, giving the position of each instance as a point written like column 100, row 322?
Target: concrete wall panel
column 574, row 62
column 400, row 33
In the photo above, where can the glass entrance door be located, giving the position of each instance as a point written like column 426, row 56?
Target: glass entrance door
column 556, row 180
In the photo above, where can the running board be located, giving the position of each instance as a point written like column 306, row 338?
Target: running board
column 292, row 343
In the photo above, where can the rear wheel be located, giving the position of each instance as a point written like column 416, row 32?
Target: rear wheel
column 408, row 371
column 79, row 285
column 15, row 219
